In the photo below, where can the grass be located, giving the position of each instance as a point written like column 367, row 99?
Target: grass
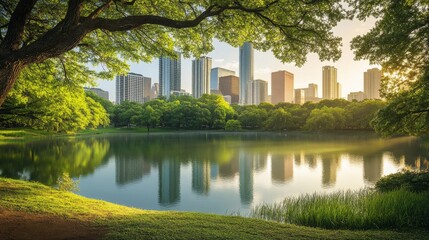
column 364, row 209
column 129, row 223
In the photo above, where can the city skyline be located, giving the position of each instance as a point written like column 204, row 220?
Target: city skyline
column 350, row 72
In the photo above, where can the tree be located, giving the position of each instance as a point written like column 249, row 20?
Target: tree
column 74, row 34
column 253, row 118
column 399, row 43
column 279, row 120
column 46, row 103
column 232, row 125
column 326, row 118
column 150, row 117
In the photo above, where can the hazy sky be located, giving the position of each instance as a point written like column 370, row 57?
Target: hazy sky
column 350, row 72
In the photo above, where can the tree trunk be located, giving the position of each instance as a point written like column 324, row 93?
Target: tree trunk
column 9, row 72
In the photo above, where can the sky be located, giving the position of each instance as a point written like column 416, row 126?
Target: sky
column 349, row 71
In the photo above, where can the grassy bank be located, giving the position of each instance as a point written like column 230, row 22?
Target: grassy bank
column 128, row 223
column 363, row 209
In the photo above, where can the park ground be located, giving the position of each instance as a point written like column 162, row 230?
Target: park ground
column 31, row 210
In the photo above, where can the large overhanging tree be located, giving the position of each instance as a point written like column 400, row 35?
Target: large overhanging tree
column 399, row 42
column 76, row 34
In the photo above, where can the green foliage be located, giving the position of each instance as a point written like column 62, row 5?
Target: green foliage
column 233, row 126
column 279, row 120
column 326, row 118
column 66, row 183
column 364, row 209
column 398, row 42
column 40, row 101
column 408, row 180
column 253, row 118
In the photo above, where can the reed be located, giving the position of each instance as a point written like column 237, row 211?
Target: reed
column 363, row 209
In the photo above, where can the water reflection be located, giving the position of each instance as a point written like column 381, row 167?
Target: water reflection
column 169, row 182
column 186, row 171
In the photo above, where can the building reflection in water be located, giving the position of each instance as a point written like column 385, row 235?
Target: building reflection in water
column 372, row 167
column 214, row 170
column 281, row 167
column 201, row 176
column 259, row 161
column 229, row 169
column 330, row 164
column 245, row 162
column 310, row 160
column 130, row 169
column 169, row 182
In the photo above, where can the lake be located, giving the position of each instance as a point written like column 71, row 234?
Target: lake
column 213, row 172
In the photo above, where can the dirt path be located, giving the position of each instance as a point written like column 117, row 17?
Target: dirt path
column 19, row 225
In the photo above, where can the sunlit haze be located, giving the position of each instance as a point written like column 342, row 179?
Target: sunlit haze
column 350, row 72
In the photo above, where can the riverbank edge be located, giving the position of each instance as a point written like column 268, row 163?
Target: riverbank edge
column 119, row 222
column 26, row 134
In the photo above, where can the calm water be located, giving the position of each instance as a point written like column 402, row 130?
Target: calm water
column 212, row 172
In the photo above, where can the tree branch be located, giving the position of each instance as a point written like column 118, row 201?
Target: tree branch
column 73, row 14
column 15, row 31
column 100, row 9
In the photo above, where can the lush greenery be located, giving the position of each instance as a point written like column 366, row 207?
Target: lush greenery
column 75, row 35
column 364, row 209
column 40, row 101
column 212, row 112
column 128, row 223
column 408, row 180
column 398, row 42
column 398, row 201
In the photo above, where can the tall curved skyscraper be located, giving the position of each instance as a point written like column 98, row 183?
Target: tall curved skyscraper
column 246, row 73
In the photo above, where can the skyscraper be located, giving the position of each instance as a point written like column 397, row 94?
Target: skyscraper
column 215, row 74
column 246, row 73
column 169, row 75
column 282, row 87
column 329, row 82
column 154, row 92
column 371, row 83
column 132, row 87
column 201, row 76
column 259, row 91
column 229, row 86
column 300, row 96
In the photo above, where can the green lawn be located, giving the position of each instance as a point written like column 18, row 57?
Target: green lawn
column 129, row 223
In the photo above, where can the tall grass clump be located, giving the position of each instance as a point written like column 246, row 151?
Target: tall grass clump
column 364, row 209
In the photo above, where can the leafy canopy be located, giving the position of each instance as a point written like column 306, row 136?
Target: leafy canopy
column 399, row 43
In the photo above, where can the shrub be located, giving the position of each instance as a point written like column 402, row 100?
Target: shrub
column 66, row 183
column 410, row 180
column 233, row 125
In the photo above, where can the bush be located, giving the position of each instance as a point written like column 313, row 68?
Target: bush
column 409, row 180
column 66, row 183
column 233, row 125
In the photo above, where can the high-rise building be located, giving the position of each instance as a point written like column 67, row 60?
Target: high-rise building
column 154, row 92
column 358, row 96
column 215, row 74
column 132, row 87
column 201, row 76
column 281, row 87
column 259, row 91
column 329, row 82
column 311, row 91
column 246, row 73
column 300, row 96
column 229, row 86
column 169, row 75
column 99, row 92
column 371, row 83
